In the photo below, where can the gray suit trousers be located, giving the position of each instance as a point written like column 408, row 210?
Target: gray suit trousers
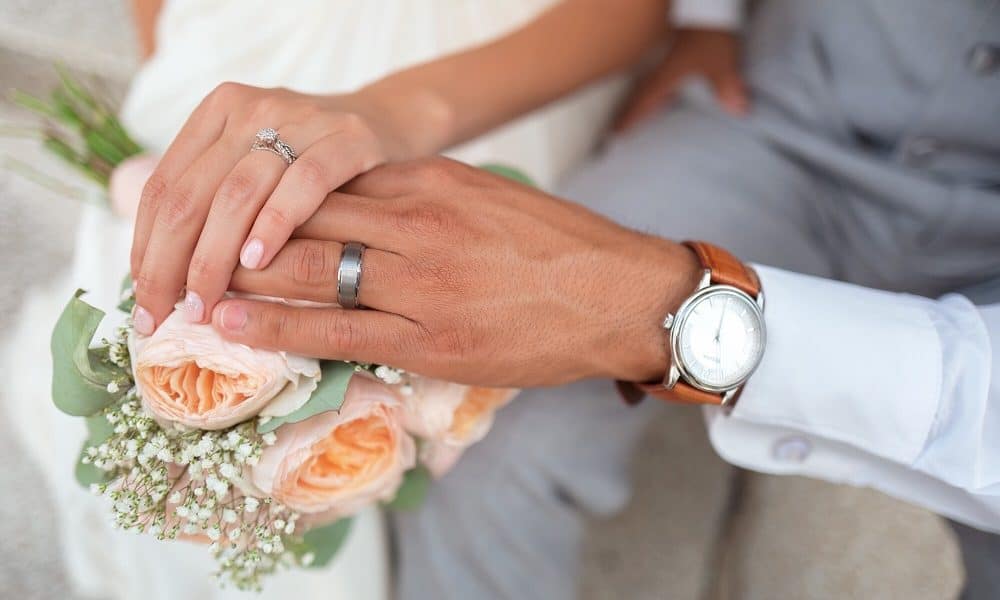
column 872, row 155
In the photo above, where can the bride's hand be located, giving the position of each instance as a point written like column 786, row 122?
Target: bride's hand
column 212, row 202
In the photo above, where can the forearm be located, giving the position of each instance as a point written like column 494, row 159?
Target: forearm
column 144, row 15
column 447, row 101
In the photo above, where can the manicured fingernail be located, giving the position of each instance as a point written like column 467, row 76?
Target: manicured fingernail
column 193, row 307
column 253, row 251
column 233, row 317
column 143, row 321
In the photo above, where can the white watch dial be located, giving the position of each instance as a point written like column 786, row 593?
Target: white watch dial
column 720, row 338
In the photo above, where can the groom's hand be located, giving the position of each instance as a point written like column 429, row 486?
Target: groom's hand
column 469, row 277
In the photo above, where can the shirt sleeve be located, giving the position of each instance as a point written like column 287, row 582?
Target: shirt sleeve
column 874, row 388
column 714, row 14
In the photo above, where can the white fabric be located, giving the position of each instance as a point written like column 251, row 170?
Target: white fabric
column 713, row 14
column 308, row 46
column 876, row 389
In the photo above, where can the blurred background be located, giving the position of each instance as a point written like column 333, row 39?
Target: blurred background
column 696, row 529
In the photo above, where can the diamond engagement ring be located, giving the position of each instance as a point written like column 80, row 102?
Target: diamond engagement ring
column 267, row 139
column 349, row 275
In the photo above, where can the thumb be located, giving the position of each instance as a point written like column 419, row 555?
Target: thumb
column 731, row 93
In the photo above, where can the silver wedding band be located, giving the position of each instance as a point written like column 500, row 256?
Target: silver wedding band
column 349, row 275
column 267, row 140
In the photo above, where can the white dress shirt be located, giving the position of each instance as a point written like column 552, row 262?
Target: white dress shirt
column 873, row 388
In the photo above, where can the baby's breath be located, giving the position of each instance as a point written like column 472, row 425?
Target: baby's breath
column 170, row 482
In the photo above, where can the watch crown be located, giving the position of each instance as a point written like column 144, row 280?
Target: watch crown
column 668, row 321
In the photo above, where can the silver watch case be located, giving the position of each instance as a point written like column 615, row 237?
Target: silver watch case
column 674, row 323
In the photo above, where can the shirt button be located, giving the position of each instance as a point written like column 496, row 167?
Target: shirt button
column 983, row 59
column 919, row 150
column 791, row 449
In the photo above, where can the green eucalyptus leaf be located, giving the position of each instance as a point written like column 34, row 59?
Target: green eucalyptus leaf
column 322, row 542
column 127, row 304
column 98, row 430
column 411, row 494
column 508, row 172
column 80, row 375
column 328, row 395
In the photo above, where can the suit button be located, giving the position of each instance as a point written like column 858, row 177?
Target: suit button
column 793, row 448
column 983, row 59
column 919, row 150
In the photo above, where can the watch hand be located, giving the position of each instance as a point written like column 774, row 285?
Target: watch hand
column 722, row 315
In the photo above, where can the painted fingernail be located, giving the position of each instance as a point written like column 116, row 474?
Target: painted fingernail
column 193, row 307
column 252, row 252
column 142, row 320
column 233, row 317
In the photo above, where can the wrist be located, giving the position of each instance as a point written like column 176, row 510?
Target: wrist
column 418, row 121
column 661, row 277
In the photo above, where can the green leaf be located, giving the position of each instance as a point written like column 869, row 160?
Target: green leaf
column 411, row 494
column 80, row 377
column 508, row 172
column 322, row 542
column 127, row 304
column 328, row 395
column 98, row 430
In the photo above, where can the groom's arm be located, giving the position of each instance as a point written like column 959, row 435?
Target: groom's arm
column 872, row 388
column 455, row 98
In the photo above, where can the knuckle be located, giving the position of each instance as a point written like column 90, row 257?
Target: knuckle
column 310, row 264
column 268, row 105
column 274, row 325
column 340, row 334
column 153, row 191
column 146, row 286
column 453, row 342
column 177, row 207
column 352, row 123
column 235, row 191
column 311, row 172
column 201, row 269
column 423, row 219
column 277, row 218
column 226, row 92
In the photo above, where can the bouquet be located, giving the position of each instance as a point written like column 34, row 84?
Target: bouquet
column 263, row 456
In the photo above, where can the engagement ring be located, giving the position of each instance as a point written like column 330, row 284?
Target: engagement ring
column 267, row 139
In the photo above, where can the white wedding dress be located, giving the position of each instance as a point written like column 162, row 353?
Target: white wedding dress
column 305, row 45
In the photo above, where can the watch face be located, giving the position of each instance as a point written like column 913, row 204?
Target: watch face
column 719, row 338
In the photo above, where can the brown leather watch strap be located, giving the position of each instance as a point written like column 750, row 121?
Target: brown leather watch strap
column 633, row 393
column 725, row 269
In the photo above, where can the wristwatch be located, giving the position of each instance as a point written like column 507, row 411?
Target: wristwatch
column 716, row 337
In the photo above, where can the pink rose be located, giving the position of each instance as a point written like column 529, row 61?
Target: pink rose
column 335, row 463
column 449, row 417
column 186, row 373
column 126, row 183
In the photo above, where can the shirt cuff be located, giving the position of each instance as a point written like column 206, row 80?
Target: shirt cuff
column 849, row 364
column 711, row 14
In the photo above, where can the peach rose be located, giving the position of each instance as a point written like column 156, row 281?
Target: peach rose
column 186, row 373
column 449, row 417
column 335, row 463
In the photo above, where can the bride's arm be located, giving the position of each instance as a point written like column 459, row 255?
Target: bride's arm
column 144, row 15
column 457, row 97
column 211, row 203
